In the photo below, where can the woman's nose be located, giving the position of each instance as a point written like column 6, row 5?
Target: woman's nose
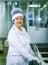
column 19, row 20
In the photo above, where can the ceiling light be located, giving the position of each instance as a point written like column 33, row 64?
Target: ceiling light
column 34, row 5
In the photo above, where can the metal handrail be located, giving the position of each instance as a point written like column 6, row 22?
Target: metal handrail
column 37, row 53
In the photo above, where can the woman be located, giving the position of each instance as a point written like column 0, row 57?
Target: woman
column 19, row 52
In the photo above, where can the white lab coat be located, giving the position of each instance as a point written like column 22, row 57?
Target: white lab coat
column 19, row 47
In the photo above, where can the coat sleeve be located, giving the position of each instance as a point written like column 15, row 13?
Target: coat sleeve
column 30, row 49
column 14, row 41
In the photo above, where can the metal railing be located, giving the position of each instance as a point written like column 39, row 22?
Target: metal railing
column 37, row 53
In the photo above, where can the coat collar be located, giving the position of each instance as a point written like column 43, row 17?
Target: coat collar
column 16, row 29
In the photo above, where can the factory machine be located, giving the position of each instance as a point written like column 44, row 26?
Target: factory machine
column 5, row 22
column 36, row 29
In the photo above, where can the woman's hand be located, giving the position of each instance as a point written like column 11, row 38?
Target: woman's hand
column 36, row 58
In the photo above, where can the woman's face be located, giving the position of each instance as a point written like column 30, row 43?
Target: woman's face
column 18, row 21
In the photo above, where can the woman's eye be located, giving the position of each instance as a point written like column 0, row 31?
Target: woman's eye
column 16, row 18
column 21, row 18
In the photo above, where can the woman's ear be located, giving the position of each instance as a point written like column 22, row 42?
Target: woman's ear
column 13, row 21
